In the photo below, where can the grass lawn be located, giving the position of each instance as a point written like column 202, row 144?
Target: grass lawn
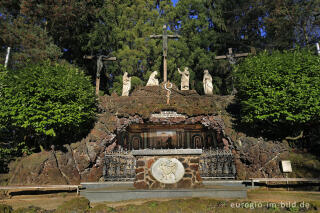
column 258, row 201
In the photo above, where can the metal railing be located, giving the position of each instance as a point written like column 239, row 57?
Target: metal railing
column 217, row 164
column 119, row 166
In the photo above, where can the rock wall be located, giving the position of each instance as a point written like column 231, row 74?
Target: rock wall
column 258, row 158
column 84, row 160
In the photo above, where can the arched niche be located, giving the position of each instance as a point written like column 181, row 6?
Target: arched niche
column 164, row 136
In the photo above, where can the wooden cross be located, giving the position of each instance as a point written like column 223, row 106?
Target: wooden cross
column 232, row 57
column 164, row 38
column 100, row 60
column 232, row 60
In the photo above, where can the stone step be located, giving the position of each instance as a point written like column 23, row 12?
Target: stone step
column 129, row 184
column 109, row 184
column 231, row 183
column 101, row 195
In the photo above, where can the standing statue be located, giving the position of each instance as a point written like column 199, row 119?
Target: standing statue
column 207, row 83
column 152, row 79
column 184, row 78
column 126, row 84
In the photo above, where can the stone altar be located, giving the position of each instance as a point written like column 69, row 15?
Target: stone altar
column 162, row 169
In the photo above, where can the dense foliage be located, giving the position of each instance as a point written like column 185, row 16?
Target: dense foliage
column 44, row 103
column 29, row 43
column 280, row 91
column 207, row 28
column 40, row 30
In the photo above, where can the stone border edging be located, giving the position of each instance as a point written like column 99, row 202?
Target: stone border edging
column 157, row 152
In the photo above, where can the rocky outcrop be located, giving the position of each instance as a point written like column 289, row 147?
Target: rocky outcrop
column 84, row 160
column 258, row 158
column 81, row 161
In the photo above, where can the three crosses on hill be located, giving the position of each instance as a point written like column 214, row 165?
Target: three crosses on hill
column 164, row 36
column 101, row 58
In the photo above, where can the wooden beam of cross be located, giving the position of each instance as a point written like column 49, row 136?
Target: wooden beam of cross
column 164, row 38
column 100, row 59
column 232, row 57
column 232, row 60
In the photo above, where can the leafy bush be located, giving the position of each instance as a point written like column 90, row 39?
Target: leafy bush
column 117, row 85
column 136, row 82
column 44, row 103
column 280, row 90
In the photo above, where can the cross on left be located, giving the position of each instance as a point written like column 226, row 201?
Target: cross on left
column 100, row 59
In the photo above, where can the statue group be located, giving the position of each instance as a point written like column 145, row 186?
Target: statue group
column 185, row 77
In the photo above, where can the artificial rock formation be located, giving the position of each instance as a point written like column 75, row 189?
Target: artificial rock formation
column 84, row 160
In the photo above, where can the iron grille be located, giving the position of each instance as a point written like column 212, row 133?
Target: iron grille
column 120, row 165
column 217, row 164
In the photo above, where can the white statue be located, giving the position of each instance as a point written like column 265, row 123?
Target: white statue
column 207, row 83
column 126, row 84
column 152, row 79
column 185, row 78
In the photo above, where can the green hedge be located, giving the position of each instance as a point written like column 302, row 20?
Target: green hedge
column 280, row 90
column 44, row 103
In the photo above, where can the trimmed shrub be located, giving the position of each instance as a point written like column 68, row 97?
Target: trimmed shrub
column 280, row 91
column 44, row 104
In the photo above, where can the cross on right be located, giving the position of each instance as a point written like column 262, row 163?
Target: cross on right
column 232, row 57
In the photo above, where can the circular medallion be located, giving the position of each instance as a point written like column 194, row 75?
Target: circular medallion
column 167, row 170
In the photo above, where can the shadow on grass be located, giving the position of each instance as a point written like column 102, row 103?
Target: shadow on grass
column 42, row 192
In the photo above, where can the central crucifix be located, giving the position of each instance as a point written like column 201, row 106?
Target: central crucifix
column 164, row 38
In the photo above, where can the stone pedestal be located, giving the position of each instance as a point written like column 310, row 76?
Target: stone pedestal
column 163, row 169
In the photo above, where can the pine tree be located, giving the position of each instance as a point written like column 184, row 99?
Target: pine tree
column 29, row 43
column 124, row 28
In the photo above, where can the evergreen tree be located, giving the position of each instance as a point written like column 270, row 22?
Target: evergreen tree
column 29, row 43
column 291, row 22
column 124, row 28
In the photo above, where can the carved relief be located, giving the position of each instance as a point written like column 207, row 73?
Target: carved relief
column 167, row 170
